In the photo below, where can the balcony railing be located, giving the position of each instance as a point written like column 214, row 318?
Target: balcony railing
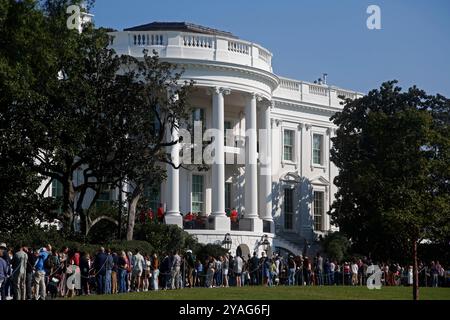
column 313, row 93
column 184, row 45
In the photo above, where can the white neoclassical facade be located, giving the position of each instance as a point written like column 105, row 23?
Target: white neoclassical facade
column 282, row 198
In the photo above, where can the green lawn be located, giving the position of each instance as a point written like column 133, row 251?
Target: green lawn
column 282, row 293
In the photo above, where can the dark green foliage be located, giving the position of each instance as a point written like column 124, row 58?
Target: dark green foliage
column 335, row 246
column 37, row 237
column 392, row 150
column 165, row 238
column 69, row 107
column 203, row 251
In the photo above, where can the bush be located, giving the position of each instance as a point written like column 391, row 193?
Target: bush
column 203, row 251
column 165, row 238
column 39, row 237
column 335, row 246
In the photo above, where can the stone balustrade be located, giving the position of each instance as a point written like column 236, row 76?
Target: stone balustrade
column 183, row 45
column 302, row 91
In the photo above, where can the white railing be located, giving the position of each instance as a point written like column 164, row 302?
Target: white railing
column 238, row 46
column 264, row 55
column 290, row 84
column 147, row 39
column 199, row 41
column 346, row 94
column 313, row 93
column 318, row 90
column 193, row 46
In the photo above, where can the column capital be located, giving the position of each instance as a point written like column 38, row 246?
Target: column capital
column 253, row 95
column 218, row 90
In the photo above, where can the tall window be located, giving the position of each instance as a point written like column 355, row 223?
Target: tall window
column 57, row 189
column 288, row 145
column 318, row 149
column 152, row 196
column 318, row 210
column 227, row 125
column 288, row 208
column 228, row 196
column 57, row 192
column 197, row 193
column 105, row 198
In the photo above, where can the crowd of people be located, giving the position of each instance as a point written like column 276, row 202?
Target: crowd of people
column 27, row 273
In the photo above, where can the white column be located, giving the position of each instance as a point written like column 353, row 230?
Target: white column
column 219, row 219
column 173, row 215
column 265, row 210
column 252, row 221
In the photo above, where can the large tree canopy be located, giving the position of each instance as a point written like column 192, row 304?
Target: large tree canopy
column 392, row 149
column 73, row 111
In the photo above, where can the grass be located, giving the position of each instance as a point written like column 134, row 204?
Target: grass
column 281, row 293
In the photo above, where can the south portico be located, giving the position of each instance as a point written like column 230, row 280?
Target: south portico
column 256, row 207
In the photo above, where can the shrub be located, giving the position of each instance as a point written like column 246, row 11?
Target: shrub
column 165, row 238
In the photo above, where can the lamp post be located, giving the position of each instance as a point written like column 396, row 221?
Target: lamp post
column 265, row 243
column 227, row 242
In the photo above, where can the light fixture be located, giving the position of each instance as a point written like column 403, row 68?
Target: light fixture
column 227, row 242
column 265, row 242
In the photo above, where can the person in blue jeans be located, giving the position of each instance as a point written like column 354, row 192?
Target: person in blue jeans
column 109, row 264
column 100, row 270
column 291, row 268
column 122, row 269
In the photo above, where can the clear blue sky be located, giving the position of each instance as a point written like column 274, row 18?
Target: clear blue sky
column 308, row 38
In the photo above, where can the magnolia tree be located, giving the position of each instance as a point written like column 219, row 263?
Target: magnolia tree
column 392, row 149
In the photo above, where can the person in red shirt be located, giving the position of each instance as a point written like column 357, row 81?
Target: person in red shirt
column 234, row 215
column 189, row 219
column 150, row 214
column 160, row 213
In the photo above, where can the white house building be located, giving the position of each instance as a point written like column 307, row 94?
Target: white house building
column 283, row 201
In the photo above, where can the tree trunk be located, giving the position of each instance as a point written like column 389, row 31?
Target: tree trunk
column 68, row 202
column 415, row 273
column 135, row 196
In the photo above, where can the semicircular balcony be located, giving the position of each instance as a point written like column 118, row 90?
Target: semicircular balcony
column 180, row 40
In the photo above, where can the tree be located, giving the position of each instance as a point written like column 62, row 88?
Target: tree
column 392, row 151
column 99, row 116
column 335, row 245
column 25, row 65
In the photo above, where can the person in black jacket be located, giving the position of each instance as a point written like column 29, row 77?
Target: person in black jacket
column 29, row 272
column 100, row 270
column 84, row 271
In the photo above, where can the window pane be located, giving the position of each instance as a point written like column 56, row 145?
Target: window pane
column 197, row 193
column 317, row 148
column 288, row 208
column 288, row 142
column 318, row 210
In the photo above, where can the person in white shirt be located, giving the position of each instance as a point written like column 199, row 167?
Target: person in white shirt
column 354, row 268
column 237, row 268
column 332, row 271
column 175, row 271
column 138, row 268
